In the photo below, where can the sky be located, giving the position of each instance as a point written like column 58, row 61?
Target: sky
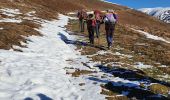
column 142, row 3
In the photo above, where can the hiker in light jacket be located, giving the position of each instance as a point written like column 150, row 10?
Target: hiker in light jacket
column 110, row 20
column 91, row 23
column 82, row 15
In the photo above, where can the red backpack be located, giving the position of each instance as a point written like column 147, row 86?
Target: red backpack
column 97, row 14
column 93, row 22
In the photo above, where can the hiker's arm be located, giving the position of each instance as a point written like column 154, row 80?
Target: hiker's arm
column 116, row 17
column 102, row 21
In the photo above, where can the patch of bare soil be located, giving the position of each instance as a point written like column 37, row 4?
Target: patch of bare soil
column 110, row 95
column 78, row 72
column 106, row 58
column 159, row 89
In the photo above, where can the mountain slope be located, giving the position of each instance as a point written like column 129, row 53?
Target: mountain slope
column 160, row 13
column 48, row 60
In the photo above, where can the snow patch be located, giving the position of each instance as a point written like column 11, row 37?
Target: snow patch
column 72, row 13
column 140, row 65
column 11, row 20
column 150, row 36
column 10, row 12
column 109, row 2
column 40, row 68
column 122, row 82
column 31, row 13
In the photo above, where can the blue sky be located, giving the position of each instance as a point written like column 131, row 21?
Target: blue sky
column 143, row 3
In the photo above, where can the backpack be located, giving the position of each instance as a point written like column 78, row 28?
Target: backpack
column 91, row 21
column 82, row 15
column 110, row 18
column 97, row 15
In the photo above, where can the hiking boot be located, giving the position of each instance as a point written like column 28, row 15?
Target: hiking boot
column 109, row 47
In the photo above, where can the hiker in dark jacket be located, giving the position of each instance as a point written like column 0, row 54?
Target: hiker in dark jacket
column 82, row 15
column 91, row 23
column 110, row 20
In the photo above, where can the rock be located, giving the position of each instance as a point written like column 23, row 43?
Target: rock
column 159, row 88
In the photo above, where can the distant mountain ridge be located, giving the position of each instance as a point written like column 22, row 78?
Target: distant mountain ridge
column 160, row 13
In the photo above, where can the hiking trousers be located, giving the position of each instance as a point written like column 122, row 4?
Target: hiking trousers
column 97, row 28
column 91, row 34
column 109, row 33
column 81, row 25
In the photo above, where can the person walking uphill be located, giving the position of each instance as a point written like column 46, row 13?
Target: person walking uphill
column 91, row 23
column 98, row 19
column 82, row 15
column 110, row 20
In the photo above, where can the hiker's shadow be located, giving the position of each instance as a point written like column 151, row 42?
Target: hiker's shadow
column 131, row 90
column 131, row 75
column 125, row 83
column 76, row 42
column 41, row 96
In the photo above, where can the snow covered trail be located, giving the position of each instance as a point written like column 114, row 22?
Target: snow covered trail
column 39, row 68
column 38, row 72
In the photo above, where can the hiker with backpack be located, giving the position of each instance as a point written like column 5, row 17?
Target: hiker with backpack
column 110, row 20
column 82, row 15
column 98, row 19
column 91, row 24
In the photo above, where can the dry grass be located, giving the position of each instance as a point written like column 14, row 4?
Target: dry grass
column 49, row 9
column 77, row 72
column 159, row 89
column 12, row 33
column 145, row 22
column 110, row 95
column 144, row 50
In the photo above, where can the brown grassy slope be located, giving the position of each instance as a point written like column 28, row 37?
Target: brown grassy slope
column 72, row 5
column 48, row 9
column 145, row 22
column 12, row 32
column 126, row 16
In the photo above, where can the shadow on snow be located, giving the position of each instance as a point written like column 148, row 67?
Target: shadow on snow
column 81, row 43
column 131, row 90
column 41, row 96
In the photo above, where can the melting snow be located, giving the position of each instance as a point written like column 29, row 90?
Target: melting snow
column 31, row 13
column 140, row 65
column 11, row 20
column 39, row 69
column 10, row 12
column 150, row 36
column 109, row 2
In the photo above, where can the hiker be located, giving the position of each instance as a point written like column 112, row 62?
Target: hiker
column 82, row 15
column 98, row 19
column 91, row 23
column 110, row 20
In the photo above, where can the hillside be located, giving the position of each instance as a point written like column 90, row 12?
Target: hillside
column 49, row 9
column 44, row 56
